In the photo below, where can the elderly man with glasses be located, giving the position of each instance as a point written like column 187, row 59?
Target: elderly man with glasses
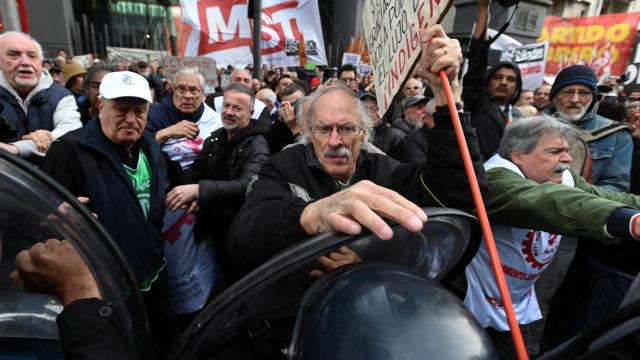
column 331, row 184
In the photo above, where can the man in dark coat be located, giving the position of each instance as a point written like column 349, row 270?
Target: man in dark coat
column 123, row 173
column 230, row 157
column 489, row 97
column 329, row 184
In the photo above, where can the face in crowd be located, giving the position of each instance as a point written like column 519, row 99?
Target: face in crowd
column 572, row 101
column 413, row 87
column 241, row 76
column 123, row 119
column 187, row 94
column 283, row 82
column 541, row 97
column 21, row 62
column 337, row 133
column 526, row 98
column 502, row 84
column 374, row 111
column 547, row 161
column 236, row 111
column 416, row 114
column 350, row 78
column 94, row 87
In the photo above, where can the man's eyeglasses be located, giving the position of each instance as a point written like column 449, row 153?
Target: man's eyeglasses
column 344, row 130
column 569, row 94
column 181, row 90
column 413, row 87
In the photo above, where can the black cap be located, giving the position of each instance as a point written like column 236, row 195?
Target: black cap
column 367, row 96
column 142, row 64
column 412, row 101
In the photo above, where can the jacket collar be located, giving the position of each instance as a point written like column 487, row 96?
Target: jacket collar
column 44, row 83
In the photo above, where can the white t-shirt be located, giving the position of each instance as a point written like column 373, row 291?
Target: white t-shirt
column 524, row 255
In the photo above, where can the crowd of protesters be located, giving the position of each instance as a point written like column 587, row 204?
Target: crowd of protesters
column 198, row 188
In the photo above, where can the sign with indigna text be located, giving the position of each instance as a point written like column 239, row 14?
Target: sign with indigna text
column 392, row 30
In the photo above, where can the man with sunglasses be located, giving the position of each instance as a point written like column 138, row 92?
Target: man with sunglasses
column 331, row 184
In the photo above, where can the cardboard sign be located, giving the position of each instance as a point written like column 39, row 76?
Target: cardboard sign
column 206, row 66
column 392, row 29
column 531, row 59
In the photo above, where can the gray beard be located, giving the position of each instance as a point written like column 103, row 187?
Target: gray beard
column 572, row 117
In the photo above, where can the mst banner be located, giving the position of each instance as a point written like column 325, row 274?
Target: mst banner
column 392, row 29
column 603, row 42
column 221, row 30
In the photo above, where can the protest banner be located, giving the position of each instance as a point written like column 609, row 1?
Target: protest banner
column 83, row 60
column 221, row 30
column 531, row 60
column 115, row 54
column 351, row 58
column 603, row 42
column 206, row 66
column 632, row 83
column 393, row 39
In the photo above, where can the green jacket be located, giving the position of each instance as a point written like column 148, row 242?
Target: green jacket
column 581, row 211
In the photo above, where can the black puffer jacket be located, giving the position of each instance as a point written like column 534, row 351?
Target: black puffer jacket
column 223, row 170
column 269, row 221
column 389, row 140
column 486, row 116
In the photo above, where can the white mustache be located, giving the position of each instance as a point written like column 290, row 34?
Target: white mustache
column 560, row 168
column 339, row 152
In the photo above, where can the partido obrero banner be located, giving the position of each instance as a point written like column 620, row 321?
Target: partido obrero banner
column 222, row 31
column 603, row 42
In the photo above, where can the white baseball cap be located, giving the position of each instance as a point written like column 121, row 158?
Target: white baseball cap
column 121, row 84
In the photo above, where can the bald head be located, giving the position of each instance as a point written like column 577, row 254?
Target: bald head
column 241, row 76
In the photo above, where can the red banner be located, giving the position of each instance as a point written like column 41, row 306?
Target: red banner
column 603, row 42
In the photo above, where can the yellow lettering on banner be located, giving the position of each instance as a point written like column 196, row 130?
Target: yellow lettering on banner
column 593, row 34
column 559, row 34
column 618, row 32
column 544, row 35
column 580, row 53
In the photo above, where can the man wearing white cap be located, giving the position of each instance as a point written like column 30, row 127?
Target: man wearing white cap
column 123, row 172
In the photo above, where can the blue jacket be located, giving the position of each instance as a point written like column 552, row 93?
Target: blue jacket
column 85, row 162
column 40, row 112
column 611, row 156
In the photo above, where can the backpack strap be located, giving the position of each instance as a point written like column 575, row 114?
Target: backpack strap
column 597, row 134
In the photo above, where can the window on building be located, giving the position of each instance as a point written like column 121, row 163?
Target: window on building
column 526, row 19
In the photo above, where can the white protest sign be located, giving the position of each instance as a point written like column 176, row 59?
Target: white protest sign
column 351, row 58
column 83, row 60
column 531, row 59
column 114, row 54
column 392, row 29
column 206, row 66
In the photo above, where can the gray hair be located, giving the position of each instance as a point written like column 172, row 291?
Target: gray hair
column 269, row 95
column 25, row 36
column 523, row 134
column 237, row 87
column 190, row 71
column 363, row 114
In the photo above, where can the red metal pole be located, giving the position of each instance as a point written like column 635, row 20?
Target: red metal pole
column 516, row 335
column 24, row 18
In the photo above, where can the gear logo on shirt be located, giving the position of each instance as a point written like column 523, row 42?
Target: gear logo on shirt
column 539, row 248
